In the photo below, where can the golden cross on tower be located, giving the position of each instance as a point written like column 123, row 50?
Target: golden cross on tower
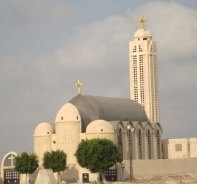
column 79, row 84
column 142, row 20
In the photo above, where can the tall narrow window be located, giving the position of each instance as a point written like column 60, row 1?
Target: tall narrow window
column 140, row 49
column 120, row 140
column 158, row 144
column 135, row 49
column 141, row 77
column 135, row 77
column 130, row 143
column 149, row 144
column 140, row 143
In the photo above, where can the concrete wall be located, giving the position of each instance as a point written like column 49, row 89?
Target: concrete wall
column 42, row 144
column 192, row 147
column 67, row 138
column 175, row 149
column 161, row 167
column 179, row 148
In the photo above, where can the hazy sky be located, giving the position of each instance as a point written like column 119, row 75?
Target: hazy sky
column 47, row 45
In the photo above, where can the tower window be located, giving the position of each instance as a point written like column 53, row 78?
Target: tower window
column 144, row 38
column 120, row 145
column 140, row 49
column 158, row 144
column 149, row 144
column 130, row 145
column 140, row 143
column 134, row 49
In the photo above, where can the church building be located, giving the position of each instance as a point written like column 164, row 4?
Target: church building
column 132, row 124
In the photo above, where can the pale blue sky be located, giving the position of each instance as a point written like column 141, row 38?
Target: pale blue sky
column 46, row 46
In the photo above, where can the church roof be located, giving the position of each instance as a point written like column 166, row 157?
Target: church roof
column 107, row 108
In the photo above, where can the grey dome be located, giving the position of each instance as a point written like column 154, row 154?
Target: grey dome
column 107, row 108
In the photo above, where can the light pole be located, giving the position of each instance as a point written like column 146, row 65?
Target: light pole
column 130, row 131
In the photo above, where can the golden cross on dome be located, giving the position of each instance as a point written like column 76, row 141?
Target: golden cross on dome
column 142, row 20
column 79, row 85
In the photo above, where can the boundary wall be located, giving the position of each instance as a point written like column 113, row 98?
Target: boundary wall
column 161, row 166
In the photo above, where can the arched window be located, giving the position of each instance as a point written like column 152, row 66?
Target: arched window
column 130, row 143
column 120, row 146
column 149, row 145
column 9, row 161
column 140, row 143
column 158, row 144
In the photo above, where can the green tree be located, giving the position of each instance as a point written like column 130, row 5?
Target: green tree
column 26, row 163
column 98, row 155
column 55, row 160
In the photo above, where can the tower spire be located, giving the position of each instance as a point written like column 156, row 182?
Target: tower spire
column 142, row 20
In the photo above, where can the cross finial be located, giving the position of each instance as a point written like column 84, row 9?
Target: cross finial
column 142, row 20
column 79, row 84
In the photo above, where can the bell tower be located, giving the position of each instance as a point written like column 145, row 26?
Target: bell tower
column 144, row 72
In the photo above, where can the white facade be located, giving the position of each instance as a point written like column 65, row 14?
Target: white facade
column 179, row 148
column 144, row 73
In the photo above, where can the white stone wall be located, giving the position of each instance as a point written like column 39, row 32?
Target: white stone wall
column 175, row 149
column 163, row 166
column 68, row 138
column 179, row 148
column 53, row 142
column 41, row 145
column 192, row 147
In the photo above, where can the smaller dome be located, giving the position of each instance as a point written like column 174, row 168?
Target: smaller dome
column 142, row 33
column 68, row 112
column 99, row 126
column 44, row 129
